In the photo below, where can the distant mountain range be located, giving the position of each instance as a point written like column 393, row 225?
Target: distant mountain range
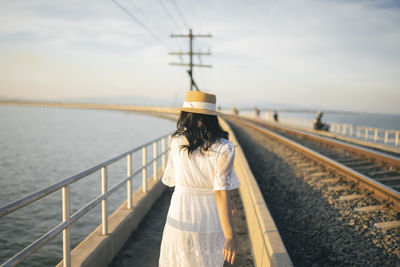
column 175, row 102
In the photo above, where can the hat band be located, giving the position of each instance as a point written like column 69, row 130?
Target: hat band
column 200, row 105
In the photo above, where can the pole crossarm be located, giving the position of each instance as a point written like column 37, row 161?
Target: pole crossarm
column 190, row 53
column 190, row 65
column 191, row 35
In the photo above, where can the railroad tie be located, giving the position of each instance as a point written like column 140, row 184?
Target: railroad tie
column 351, row 197
column 370, row 208
column 338, row 188
column 388, row 179
column 356, row 163
column 309, row 169
column 294, row 161
column 330, row 180
column 351, row 161
column 290, row 158
column 387, row 225
column 319, row 183
column 366, row 167
column 301, row 165
column 380, row 172
column 342, row 160
column 318, row 174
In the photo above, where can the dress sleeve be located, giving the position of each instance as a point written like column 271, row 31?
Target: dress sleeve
column 225, row 177
column 168, row 177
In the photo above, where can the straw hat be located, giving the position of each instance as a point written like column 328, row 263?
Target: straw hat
column 200, row 102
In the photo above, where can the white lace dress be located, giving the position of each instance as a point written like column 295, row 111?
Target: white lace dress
column 192, row 233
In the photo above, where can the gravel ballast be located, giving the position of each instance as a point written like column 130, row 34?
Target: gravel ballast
column 317, row 228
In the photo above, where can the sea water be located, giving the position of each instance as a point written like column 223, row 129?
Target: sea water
column 40, row 146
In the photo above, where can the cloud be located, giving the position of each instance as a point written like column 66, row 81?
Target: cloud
column 285, row 51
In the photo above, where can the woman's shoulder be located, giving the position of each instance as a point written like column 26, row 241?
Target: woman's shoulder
column 225, row 145
column 224, row 141
column 178, row 140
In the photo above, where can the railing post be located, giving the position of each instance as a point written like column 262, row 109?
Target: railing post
column 104, row 215
column 163, row 153
column 351, row 130
column 358, row 131
column 129, row 182
column 396, row 141
column 66, row 211
column 376, row 135
column 344, row 130
column 144, row 170
column 386, row 136
column 366, row 133
column 155, row 160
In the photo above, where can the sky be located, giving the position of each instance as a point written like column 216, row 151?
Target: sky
column 336, row 54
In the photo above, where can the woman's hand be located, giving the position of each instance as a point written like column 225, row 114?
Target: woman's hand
column 229, row 251
column 225, row 211
column 233, row 209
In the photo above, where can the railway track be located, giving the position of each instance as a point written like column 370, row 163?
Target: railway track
column 344, row 179
column 376, row 172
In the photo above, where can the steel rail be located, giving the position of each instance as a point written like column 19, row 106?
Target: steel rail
column 380, row 191
column 376, row 155
column 24, row 201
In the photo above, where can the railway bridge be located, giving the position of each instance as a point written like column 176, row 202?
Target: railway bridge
column 305, row 198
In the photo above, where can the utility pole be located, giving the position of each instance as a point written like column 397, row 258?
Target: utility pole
column 190, row 54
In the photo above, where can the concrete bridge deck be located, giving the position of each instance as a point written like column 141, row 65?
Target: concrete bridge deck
column 143, row 246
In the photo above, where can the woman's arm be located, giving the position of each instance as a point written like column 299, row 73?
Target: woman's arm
column 224, row 207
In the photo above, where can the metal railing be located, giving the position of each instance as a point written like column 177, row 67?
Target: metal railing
column 367, row 133
column 370, row 134
column 64, row 185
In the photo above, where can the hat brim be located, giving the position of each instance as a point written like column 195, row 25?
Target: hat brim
column 201, row 111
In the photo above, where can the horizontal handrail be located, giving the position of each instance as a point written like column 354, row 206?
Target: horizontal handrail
column 68, row 219
column 24, row 201
column 27, row 251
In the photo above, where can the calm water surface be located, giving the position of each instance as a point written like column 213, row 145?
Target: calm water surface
column 40, row 146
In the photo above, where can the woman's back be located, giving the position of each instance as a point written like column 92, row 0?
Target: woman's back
column 200, row 169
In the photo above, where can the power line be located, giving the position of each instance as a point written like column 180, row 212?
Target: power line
column 143, row 16
column 200, row 12
column 140, row 23
column 180, row 14
column 195, row 15
column 169, row 15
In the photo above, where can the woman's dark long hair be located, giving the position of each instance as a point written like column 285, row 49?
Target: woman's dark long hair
column 200, row 130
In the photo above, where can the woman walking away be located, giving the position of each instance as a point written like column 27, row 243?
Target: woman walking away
column 199, row 230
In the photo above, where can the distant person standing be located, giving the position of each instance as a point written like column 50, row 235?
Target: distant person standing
column 256, row 113
column 235, row 111
column 276, row 116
